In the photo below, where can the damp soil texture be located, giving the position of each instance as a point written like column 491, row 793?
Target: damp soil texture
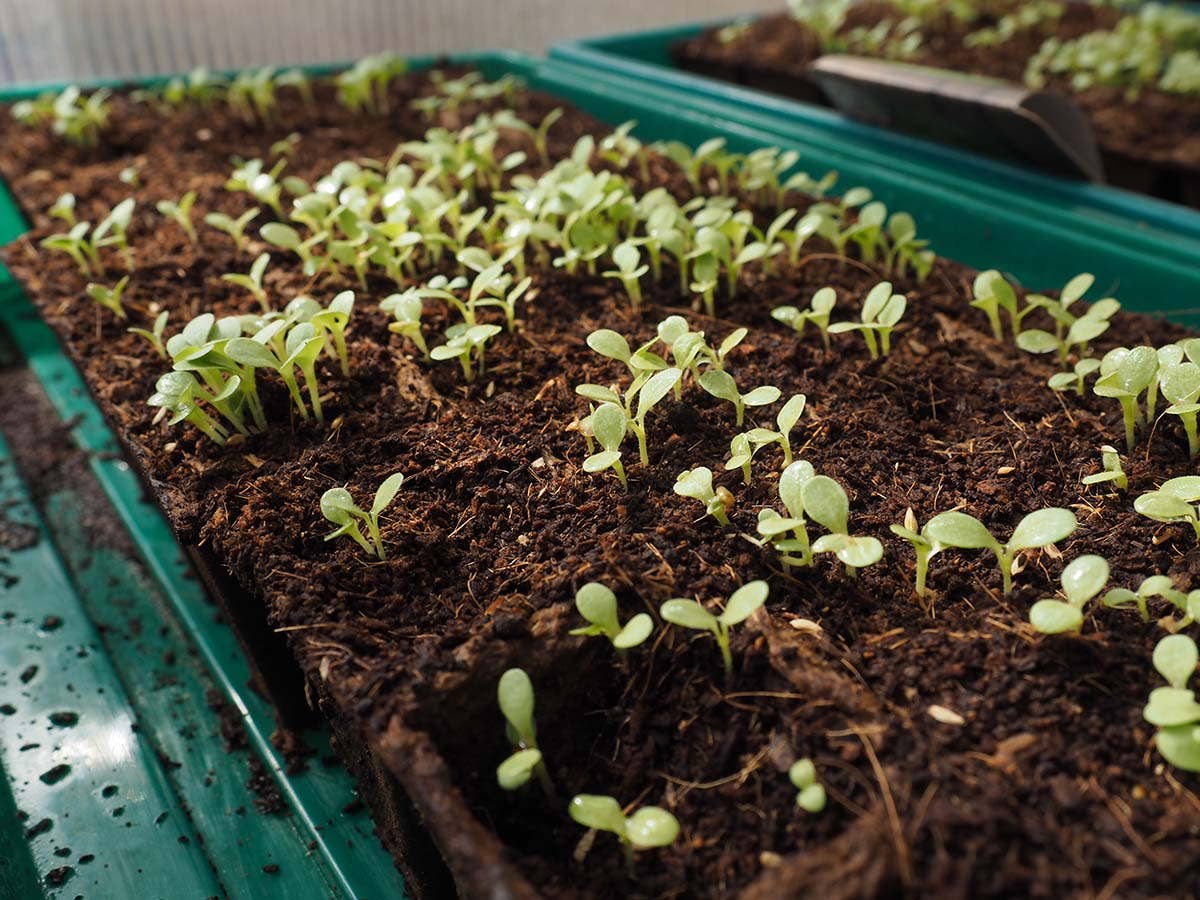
column 963, row 755
column 1150, row 143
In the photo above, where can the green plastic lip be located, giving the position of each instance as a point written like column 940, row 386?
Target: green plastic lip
column 961, row 226
column 645, row 56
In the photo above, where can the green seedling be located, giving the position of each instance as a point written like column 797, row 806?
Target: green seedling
column 994, row 295
column 130, row 175
column 645, row 392
column 64, row 208
column 1173, row 709
column 1069, row 331
column 253, row 281
column 514, row 694
column 924, row 546
column 881, row 312
column 1124, row 376
column 608, row 425
column 1038, row 529
column 598, row 605
column 742, row 604
column 1111, row 471
column 817, row 312
column 180, row 394
column 647, row 828
column 180, row 212
column 826, row 503
column 629, row 268
column 109, row 297
column 1154, row 586
column 407, row 309
column 466, row 344
column 803, row 776
column 339, row 508
column 697, row 483
column 1174, row 501
column 285, row 237
column 1180, row 384
column 743, row 447
column 788, row 535
column 1064, row 381
column 155, row 334
column 235, row 228
column 1082, row 580
column 71, row 115
column 721, row 385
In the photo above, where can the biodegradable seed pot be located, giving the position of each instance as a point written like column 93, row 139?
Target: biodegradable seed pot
column 1134, row 72
column 655, row 520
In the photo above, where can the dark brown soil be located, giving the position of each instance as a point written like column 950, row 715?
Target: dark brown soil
column 1150, row 143
column 1049, row 787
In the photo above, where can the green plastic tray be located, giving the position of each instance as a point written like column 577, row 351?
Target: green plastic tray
column 320, row 850
column 644, row 57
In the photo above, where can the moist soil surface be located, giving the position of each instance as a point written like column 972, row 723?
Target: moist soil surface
column 1150, row 143
column 1040, row 780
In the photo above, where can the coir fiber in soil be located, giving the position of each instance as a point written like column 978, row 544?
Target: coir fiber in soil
column 1150, row 143
column 1049, row 787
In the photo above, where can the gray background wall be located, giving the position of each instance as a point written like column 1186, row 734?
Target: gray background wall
column 43, row 40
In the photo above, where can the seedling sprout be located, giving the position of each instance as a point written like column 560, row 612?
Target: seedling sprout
column 742, row 604
column 1038, row 529
column 803, row 776
column 1112, row 470
column 109, row 297
column 1174, row 501
column 882, row 310
column 608, row 426
column 1082, row 580
column 514, row 694
column 180, row 212
column 1173, row 709
column 598, row 605
column 648, row 827
column 339, row 508
column 155, row 334
column 697, row 483
column 925, row 547
column 826, row 502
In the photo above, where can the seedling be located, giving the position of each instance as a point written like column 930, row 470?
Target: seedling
column 1069, row 331
column 1064, row 381
column 1082, row 580
column 1173, row 709
column 75, row 244
column 924, row 546
column 1180, row 384
column 608, row 425
column 721, row 385
column 109, row 297
column 1038, row 529
column 180, row 394
column 826, row 503
column 466, row 344
column 1174, row 501
column 647, row 828
column 514, row 694
column 598, row 605
column 697, row 483
column 64, row 208
column 818, row 312
column 130, row 175
column 743, row 447
column 803, row 776
column 181, row 213
column 1112, row 470
column 155, row 334
column 77, row 118
column 881, row 312
column 993, row 294
column 253, row 281
column 407, row 308
column 339, row 508
column 235, row 228
column 742, row 604
column 1124, row 376
column 774, row 528
column 629, row 269
column 364, row 87
column 1154, row 586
